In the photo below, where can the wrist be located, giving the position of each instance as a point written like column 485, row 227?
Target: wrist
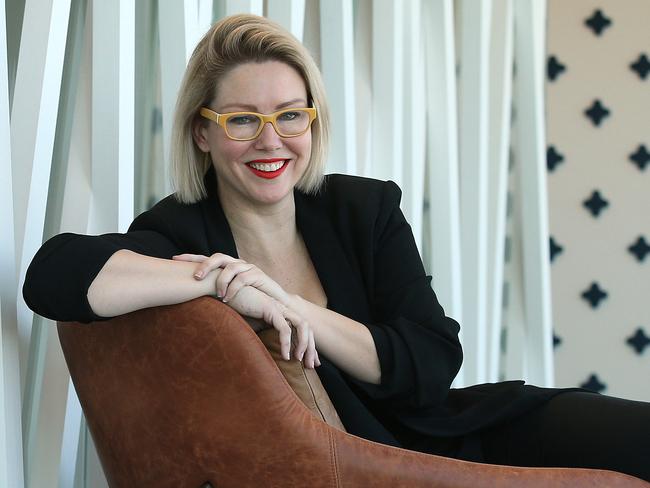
column 209, row 283
column 294, row 302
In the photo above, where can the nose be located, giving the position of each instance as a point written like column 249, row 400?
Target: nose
column 268, row 138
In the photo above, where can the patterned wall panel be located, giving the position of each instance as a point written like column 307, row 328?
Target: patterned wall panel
column 598, row 101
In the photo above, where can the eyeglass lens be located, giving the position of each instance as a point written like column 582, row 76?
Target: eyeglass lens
column 288, row 123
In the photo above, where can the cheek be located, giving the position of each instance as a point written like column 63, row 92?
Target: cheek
column 226, row 150
column 302, row 145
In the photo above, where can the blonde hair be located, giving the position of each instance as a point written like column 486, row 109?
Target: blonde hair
column 230, row 42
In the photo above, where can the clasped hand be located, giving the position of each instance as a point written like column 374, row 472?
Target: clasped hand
column 252, row 293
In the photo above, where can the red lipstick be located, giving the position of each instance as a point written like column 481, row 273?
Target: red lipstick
column 268, row 174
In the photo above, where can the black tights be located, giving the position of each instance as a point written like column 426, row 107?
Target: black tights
column 576, row 429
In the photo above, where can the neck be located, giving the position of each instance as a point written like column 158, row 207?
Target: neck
column 261, row 231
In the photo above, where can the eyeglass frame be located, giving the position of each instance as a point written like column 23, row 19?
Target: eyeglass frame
column 222, row 119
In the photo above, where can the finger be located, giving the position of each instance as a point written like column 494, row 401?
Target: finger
column 303, row 334
column 215, row 261
column 311, row 355
column 252, row 277
column 277, row 320
column 192, row 258
column 228, row 273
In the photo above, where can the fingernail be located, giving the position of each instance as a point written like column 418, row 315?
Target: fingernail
column 198, row 274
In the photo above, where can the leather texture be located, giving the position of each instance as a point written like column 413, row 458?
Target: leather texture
column 303, row 381
column 183, row 395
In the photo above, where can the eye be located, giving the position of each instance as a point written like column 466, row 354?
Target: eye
column 289, row 116
column 242, row 119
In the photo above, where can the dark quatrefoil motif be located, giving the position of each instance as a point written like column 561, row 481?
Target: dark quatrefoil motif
column 597, row 112
column 641, row 66
column 593, row 383
column 640, row 249
column 594, row 295
column 598, row 22
column 554, row 68
column 639, row 341
column 553, row 158
column 640, row 157
column 595, row 203
column 555, row 248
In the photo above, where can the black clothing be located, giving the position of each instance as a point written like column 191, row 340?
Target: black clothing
column 367, row 261
column 576, row 430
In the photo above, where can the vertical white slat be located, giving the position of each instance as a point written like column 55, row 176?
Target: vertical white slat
column 205, row 10
column 474, row 83
column 75, row 218
column 387, row 90
column 499, row 149
column 44, row 442
column 198, row 17
column 362, row 31
column 529, row 52
column 337, row 60
column 11, row 454
column 414, row 127
column 94, row 474
column 173, row 59
column 148, row 144
column 113, row 83
column 245, row 6
column 113, row 116
column 70, row 439
column 442, row 157
column 290, row 14
column 191, row 18
column 126, row 116
column 33, row 125
column 514, row 367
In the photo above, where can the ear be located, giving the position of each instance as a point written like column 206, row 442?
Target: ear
column 200, row 135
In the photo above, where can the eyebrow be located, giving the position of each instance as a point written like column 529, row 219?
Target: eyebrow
column 253, row 108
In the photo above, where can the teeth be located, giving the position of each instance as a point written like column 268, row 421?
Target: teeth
column 267, row 166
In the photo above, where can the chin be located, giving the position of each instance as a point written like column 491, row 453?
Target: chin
column 270, row 196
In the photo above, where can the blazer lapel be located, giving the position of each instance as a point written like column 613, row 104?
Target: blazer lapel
column 339, row 277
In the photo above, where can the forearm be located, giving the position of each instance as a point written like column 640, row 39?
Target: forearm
column 346, row 342
column 130, row 281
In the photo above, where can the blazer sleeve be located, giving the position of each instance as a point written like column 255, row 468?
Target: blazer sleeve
column 417, row 344
column 57, row 280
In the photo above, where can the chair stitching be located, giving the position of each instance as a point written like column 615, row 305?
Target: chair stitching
column 333, row 452
column 313, row 395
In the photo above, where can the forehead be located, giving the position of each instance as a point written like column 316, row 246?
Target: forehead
column 263, row 85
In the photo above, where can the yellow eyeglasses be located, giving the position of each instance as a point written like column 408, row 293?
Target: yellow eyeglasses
column 246, row 126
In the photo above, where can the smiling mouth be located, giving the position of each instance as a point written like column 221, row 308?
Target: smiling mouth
column 268, row 168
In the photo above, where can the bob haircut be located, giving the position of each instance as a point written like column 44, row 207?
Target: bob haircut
column 230, row 42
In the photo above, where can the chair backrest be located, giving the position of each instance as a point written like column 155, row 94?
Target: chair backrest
column 172, row 396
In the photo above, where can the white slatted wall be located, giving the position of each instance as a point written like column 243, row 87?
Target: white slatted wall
column 420, row 93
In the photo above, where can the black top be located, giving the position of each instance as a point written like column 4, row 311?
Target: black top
column 369, row 266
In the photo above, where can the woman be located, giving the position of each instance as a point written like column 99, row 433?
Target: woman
column 255, row 223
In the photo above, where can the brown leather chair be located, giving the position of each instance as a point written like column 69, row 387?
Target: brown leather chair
column 184, row 395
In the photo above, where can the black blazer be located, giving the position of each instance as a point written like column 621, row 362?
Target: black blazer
column 369, row 266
